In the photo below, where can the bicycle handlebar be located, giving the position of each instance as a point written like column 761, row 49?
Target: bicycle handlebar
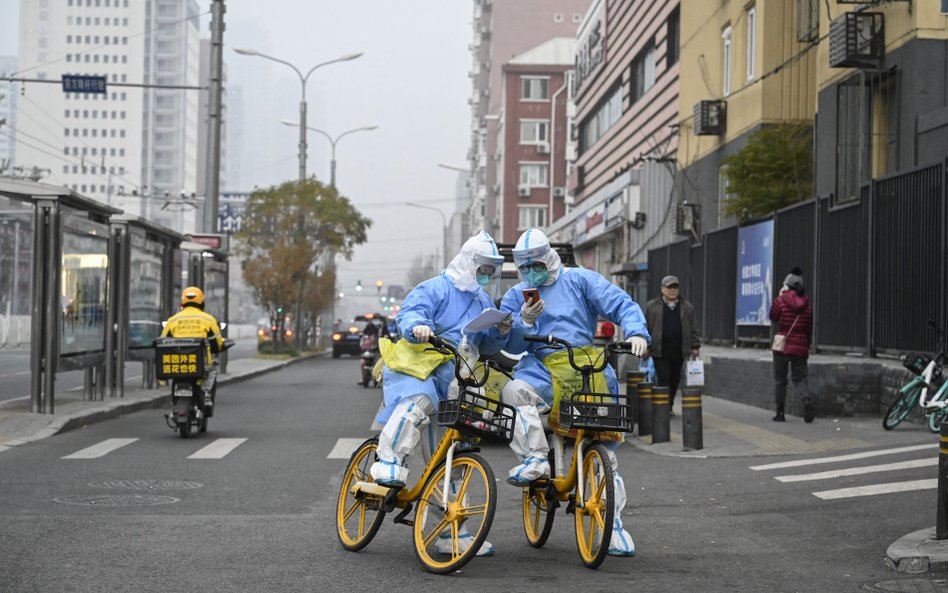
column 445, row 347
column 619, row 347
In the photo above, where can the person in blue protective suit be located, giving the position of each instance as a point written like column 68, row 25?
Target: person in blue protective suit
column 440, row 306
column 571, row 301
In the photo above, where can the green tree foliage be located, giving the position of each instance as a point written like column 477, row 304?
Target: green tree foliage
column 285, row 231
column 773, row 171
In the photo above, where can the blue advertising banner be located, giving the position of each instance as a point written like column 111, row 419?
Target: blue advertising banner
column 755, row 258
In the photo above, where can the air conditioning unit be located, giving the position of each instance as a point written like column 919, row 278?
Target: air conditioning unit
column 687, row 219
column 710, row 118
column 857, row 40
column 543, row 148
column 559, row 192
column 523, row 191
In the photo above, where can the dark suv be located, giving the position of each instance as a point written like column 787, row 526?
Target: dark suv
column 346, row 340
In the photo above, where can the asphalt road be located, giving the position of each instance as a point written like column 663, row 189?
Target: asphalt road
column 260, row 516
column 15, row 371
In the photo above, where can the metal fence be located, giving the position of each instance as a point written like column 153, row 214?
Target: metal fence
column 876, row 268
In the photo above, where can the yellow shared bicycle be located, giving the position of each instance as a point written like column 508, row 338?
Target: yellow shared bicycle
column 456, row 493
column 587, row 485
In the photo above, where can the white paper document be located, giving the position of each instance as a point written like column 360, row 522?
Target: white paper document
column 487, row 319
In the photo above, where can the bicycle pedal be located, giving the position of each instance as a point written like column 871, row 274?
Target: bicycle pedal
column 400, row 517
column 571, row 506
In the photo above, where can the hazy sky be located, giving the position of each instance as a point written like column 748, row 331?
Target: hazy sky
column 412, row 82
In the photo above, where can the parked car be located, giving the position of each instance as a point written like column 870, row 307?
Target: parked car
column 346, row 341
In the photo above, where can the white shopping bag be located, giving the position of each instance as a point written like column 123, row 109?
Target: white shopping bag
column 694, row 373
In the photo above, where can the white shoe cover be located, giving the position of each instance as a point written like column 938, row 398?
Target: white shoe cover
column 397, row 440
column 465, row 539
column 621, row 543
column 531, row 469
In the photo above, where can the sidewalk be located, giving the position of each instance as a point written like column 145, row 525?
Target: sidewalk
column 19, row 426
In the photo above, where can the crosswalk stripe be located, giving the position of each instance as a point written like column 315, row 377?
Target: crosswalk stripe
column 874, row 489
column 855, row 471
column 100, row 449
column 849, row 457
column 344, row 448
column 217, row 449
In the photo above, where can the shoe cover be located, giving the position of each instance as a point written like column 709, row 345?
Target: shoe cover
column 621, row 543
column 465, row 539
column 531, row 469
column 397, row 440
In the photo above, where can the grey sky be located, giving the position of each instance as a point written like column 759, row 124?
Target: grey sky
column 412, row 82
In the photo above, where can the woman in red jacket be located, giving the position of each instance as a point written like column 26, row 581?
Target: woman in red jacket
column 792, row 313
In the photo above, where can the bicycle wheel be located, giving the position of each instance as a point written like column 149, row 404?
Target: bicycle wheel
column 538, row 513
column 594, row 513
column 447, row 538
column 935, row 419
column 357, row 521
column 900, row 408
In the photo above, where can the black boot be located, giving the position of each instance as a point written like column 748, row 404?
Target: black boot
column 809, row 410
column 779, row 417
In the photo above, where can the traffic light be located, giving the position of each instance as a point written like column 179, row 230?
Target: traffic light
column 359, row 285
column 378, row 285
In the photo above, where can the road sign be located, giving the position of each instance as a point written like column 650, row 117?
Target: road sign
column 83, row 84
column 212, row 241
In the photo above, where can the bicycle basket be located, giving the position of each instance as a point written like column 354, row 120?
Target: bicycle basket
column 478, row 416
column 916, row 361
column 179, row 358
column 599, row 412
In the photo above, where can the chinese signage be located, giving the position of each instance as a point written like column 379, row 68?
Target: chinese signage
column 83, row 84
column 173, row 365
column 755, row 256
column 591, row 48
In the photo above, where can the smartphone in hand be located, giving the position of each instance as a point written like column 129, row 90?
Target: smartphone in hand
column 531, row 295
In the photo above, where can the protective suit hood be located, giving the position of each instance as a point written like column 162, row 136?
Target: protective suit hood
column 534, row 246
column 477, row 251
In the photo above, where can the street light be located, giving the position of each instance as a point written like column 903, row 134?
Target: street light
column 444, row 227
column 332, row 141
column 303, row 79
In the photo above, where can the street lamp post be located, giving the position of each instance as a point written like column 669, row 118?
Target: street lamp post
column 444, row 227
column 303, row 79
column 332, row 142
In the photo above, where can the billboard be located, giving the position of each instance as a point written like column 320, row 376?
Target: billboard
column 755, row 257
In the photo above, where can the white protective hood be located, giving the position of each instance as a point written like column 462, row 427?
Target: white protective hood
column 534, row 246
column 477, row 251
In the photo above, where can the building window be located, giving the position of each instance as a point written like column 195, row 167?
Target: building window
column 533, row 131
column 642, row 73
column 726, row 55
column 535, row 88
column 534, row 174
column 557, row 17
column 853, row 138
column 601, row 119
column 673, row 38
column 750, row 17
column 577, row 18
column 531, row 217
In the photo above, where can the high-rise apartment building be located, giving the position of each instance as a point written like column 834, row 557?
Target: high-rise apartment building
column 8, row 92
column 129, row 147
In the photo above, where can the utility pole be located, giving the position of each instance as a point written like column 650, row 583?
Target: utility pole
column 213, row 173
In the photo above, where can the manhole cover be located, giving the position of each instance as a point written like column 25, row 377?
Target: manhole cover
column 911, row 586
column 117, row 500
column 147, row 485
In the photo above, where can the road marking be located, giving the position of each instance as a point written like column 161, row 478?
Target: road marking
column 100, row 449
column 850, row 457
column 855, row 471
column 344, row 448
column 217, row 449
column 376, row 427
column 874, row 489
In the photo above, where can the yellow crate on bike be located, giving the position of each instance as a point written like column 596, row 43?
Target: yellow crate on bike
column 180, row 358
column 599, row 412
column 478, row 416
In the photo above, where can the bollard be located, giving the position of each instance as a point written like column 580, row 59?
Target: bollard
column 692, row 429
column 632, row 380
column 941, row 521
column 645, row 409
column 661, row 415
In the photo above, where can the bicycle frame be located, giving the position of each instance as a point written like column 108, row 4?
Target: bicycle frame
column 564, row 483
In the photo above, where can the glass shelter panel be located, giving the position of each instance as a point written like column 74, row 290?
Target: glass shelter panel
column 85, row 271
column 144, row 297
column 215, row 288
column 16, row 261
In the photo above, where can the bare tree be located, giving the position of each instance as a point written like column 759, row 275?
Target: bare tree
column 422, row 268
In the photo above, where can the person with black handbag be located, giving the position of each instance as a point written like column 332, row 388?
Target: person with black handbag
column 792, row 313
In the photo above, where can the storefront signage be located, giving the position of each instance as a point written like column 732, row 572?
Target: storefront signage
column 591, row 48
column 755, row 256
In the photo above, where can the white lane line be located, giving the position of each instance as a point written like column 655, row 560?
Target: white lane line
column 100, row 449
column 217, row 449
column 850, row 457
column 344, row 448
column 874, row 489
column 855, row 471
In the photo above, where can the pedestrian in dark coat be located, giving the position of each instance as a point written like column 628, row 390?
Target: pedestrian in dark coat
column 793, row 315
column 675, row 337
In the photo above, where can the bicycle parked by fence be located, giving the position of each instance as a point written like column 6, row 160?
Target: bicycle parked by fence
column 928, row 388
column 456, row 489
column 587, row 485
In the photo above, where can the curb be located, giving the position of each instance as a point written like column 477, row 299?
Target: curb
column 918, row 552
